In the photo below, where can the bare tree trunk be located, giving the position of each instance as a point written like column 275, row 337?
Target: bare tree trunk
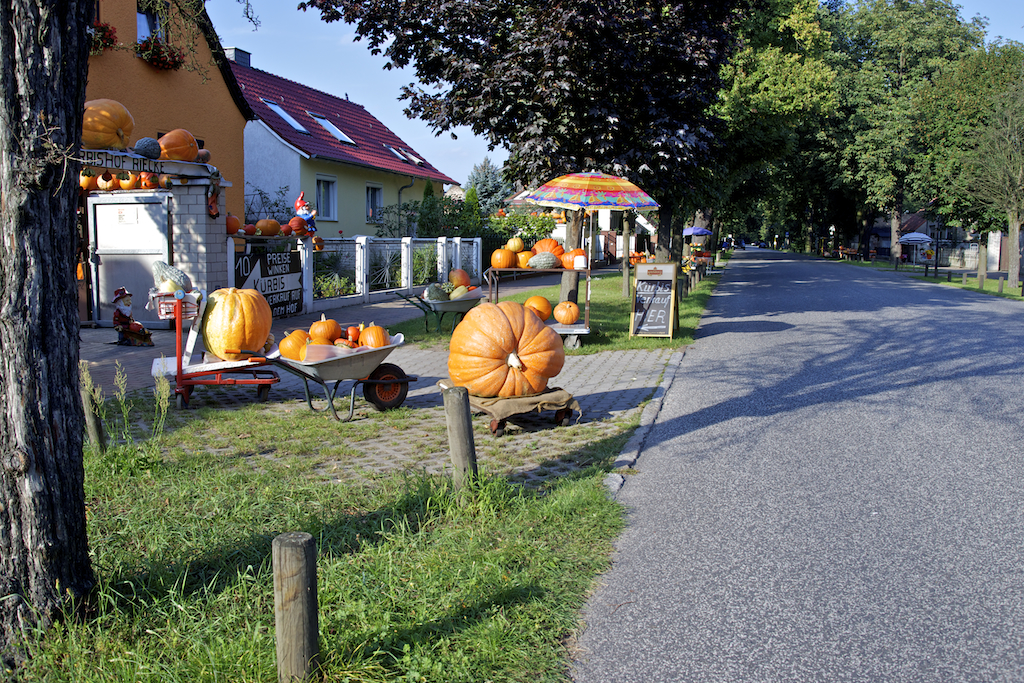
column 1013, row 246
column 666, row 213
column 573, row 240
column 44, row 559
column 895, row 222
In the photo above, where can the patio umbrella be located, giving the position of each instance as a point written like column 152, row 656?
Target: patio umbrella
column 915, row 238
column 591, row 190
column 695, row 230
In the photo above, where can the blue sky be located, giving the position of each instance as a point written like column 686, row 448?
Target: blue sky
column 301, row 47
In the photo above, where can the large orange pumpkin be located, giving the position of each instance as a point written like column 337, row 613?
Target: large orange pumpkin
column 268, row 227
column 549, row 244
column 107, row 124
column 501, row 350
column 237, row 319
column 503, row 258
column 178, row 145
column 540, row 306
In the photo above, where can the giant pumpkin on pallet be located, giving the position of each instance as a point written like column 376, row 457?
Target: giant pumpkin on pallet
column 503, row 350
column 236, row 319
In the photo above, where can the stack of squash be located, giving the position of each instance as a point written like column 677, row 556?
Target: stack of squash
column 328, row 332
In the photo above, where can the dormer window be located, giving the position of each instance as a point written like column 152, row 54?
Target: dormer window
column 276, row 108
column 329, row 126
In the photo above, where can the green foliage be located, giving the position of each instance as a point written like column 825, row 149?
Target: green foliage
column 491, row 189
column 530, row 228
column 329, row 276
column 397, row 221
column 471, row 211
column 429, row 219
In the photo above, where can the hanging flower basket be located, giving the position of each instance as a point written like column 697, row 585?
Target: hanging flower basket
column 103, row 37
column 159, row 53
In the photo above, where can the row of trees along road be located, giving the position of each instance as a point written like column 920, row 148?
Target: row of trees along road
column 781, row 114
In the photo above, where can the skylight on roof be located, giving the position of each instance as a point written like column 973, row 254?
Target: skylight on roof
column 412, row 157
column 329, row 126
column 397, row 153
column 276, row 108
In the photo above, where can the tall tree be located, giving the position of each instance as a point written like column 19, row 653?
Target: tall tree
column 897, row 47
column 949, row 113
column 44, row 559
column 621, row 86
column 995, row 170
column 491, row 189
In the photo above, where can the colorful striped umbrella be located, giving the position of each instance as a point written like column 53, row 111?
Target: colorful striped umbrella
column 591, row 190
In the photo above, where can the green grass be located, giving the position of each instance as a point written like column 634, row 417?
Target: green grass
column 917, row 271
column 609, row 317
column 416, row 581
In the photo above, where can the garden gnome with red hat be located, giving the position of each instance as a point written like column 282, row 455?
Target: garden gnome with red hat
column 129, row 332
column 303, row 211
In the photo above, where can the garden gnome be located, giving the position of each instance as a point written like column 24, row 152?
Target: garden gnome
column 129, row 332
column 303, row 211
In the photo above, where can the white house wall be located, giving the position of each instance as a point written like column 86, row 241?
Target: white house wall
column 270, row 163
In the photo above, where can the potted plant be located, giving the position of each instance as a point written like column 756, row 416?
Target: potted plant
column 159, row 53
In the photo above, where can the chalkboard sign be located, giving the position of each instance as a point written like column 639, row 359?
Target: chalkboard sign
column 277, row 275
column 654, row 300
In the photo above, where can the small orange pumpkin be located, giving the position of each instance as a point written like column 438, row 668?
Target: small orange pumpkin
column 374, row 336
column 148, row 181
column 501, row 350
column 540, row 306
column 87, row 179
column 299, row 226
column 523, row 259
column 326, row 327
column 549, row 244
column 567, row 312
column 268, row 227
column 234, row 223
column 107, row 181
column 515, row 244
column 570, row 256
column 503, row 258
column 127, row 180
column 178, row 145
column 292, row 345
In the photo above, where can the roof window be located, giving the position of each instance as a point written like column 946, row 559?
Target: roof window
column 413, row 158
column 329, row 126
column 398, row 154
column 276, row 108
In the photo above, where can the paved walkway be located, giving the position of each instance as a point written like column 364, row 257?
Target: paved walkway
column 606, row 384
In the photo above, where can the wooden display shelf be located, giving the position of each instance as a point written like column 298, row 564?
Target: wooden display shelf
column 570, row 333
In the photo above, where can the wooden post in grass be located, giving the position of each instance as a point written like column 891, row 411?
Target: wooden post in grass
column 460, row 434
column 93, row 423
column 965, row 280
column 295, row 606
column 949, row 276
column 1000, row 285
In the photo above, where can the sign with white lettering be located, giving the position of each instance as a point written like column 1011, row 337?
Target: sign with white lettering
column 277, row 275
column 654, row 300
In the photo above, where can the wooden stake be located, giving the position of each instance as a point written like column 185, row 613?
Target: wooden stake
column 295, row 606
column 93, row 423
column 460, row 434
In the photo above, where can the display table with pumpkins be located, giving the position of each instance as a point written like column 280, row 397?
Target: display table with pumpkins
column 566, row 322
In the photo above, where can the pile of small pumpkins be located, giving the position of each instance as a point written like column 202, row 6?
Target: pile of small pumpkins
column 107, row 124
column 268, row 227
column 546, row 253
column 329, row 332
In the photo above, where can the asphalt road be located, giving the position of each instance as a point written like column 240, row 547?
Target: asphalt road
column 832, row 491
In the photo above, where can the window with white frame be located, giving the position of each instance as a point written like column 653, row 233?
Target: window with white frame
column 285, row 116
column 331, row 128
column 374, row 202
column 327, row 197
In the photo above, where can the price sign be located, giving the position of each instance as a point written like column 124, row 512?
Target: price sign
column 277, row 275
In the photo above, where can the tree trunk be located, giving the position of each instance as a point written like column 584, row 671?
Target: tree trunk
column 1013, row 247
column 573, row 240
column 666, row 212
column 628, row 228
column 44, row 558
column 895, row 222
column 982, row 258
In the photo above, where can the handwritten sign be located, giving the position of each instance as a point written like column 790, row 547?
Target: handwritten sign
column 654, row 301
column 277, row 275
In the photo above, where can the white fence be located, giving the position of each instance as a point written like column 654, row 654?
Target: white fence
column 350, row 271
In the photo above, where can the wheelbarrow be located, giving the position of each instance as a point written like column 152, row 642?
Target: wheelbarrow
column 438, row 309
column 385, row 385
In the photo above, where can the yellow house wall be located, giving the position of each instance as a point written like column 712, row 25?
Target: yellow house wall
column 351, row 188
column 161, row 101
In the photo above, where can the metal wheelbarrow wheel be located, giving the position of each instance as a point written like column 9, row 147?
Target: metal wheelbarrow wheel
column 382, row 393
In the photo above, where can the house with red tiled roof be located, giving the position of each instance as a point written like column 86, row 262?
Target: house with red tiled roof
column 348, row 164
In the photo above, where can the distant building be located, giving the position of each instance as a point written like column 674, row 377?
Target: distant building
column 348, row 164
